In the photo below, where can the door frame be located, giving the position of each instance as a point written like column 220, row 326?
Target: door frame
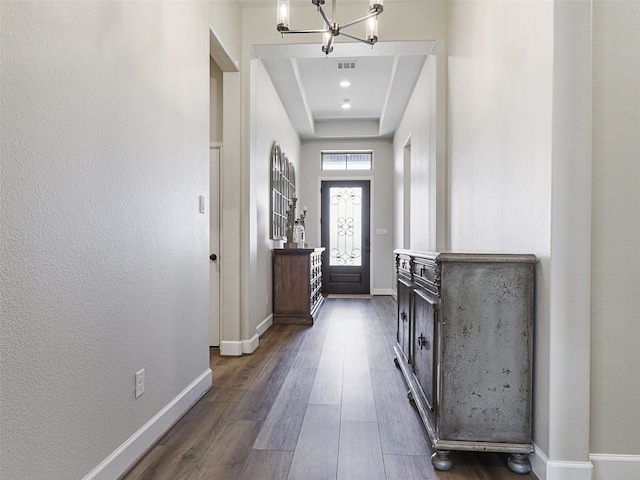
column 215, row 311
column 350, row 177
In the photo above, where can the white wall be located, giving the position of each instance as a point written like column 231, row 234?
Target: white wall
column 499, row 144
column 104, row 254
column 416, row 174
column 381, row 177
column 615, row 390
column 225, row 20
column 269, row 123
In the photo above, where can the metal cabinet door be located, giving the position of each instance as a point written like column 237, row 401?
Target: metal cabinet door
column 404, row 314
column 424, row 345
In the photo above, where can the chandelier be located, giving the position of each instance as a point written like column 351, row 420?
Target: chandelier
column 331, row 27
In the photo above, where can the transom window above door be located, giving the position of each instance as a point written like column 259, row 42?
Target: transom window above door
column 347, row 160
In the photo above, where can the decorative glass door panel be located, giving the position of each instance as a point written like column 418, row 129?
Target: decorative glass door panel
column 345, row 236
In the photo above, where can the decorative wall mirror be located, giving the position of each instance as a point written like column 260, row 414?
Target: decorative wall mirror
column 283, row 186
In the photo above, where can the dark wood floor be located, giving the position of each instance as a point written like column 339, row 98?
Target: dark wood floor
column 321, row 402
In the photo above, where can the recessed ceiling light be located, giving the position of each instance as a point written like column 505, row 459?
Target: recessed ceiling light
column 346, row 105
column 345, row 83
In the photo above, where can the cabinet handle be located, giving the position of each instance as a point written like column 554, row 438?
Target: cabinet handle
column 403, row 316
column 422, row 341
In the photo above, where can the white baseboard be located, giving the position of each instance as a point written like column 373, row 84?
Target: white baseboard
column 569, row 470
column 249, row 346
column 242, row 347
column 264, row 325
column 546, row 469
column 382, row 291
column 539, row 463
column 125, row 456
column 615, row 467
column 230, row 348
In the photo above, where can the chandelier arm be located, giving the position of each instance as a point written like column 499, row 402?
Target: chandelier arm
column 360, row 20
column 284, row 32
column 324, row 15
column 355, row 38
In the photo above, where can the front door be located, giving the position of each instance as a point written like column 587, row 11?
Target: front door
column 345, row 236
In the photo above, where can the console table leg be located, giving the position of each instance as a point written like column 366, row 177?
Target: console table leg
column 519, row 463
column 441, row 461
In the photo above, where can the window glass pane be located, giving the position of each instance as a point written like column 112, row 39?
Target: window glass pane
column 345, row 230
column 334, row 161
column 346, row 161
column 359, row 161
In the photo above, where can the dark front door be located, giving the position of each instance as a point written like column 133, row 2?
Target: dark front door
column 345, row 236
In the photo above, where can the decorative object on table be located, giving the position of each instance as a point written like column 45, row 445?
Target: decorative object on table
column 283, row 186
column 298, row 234
column 332, row 27
column 291, row 220
column 303, row 216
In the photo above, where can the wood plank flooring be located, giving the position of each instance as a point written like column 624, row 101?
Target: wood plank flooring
column 312, row 403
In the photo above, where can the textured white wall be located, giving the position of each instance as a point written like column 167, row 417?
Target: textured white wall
column 104, row 254
column 269, row 123
column 225, row 18
column 615, row 389
column 499, row 144
column 382, row 262
column 419, row 124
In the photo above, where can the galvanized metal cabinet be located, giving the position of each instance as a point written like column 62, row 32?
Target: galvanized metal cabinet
column 466, row 350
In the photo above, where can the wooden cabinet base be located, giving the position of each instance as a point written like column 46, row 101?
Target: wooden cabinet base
column 299, row 319
column 297, row 285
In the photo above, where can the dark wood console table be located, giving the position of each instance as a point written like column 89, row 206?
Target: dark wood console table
column 297, row 285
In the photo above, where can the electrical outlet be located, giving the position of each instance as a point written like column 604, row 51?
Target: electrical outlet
column 139, row 383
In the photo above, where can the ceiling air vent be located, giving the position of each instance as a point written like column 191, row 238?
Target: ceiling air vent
column 346, row 65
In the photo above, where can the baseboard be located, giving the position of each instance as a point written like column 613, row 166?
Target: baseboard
column 250, row 346
column 539, row 463
column 230, row 348
column 546, row 469
column 242, row 347
column 127, row 454
column 264, row 325
column 618, row 467
column 382, row 291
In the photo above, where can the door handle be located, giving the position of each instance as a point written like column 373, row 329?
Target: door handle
column 213, row 257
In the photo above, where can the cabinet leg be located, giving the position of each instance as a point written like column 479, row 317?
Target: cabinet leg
column 519, row 463
column 441, row 461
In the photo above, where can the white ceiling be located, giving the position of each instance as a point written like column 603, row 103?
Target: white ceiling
column 308, row 83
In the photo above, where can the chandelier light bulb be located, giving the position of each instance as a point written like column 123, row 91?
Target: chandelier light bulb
column 372, row 30
column 282, row 13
